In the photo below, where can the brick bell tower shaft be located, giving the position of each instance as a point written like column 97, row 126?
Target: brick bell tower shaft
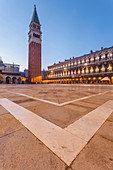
column 34, row 66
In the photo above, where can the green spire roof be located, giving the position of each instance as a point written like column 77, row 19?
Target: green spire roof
column 35, row 16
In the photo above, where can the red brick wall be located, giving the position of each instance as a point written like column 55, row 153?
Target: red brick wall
column 34, row 60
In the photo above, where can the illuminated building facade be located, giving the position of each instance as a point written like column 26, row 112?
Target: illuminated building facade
column 93, row 68
column 34, row 67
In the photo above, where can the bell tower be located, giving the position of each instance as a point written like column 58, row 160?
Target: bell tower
column 34, row 66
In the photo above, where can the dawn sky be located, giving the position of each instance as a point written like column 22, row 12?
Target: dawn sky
column 70, row 28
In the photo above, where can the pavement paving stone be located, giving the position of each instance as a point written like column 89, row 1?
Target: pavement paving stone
column 19, row 149
column 2, row 110
column 79, row 109
column 37, row 106
column 61, row 116
column 9, row 95
column 84, row 104
column 95, row 100
column 23, row 151
column 67, row 98
column 8, row 124
column 97, row 155
column 110, row 118
column 23, row 101
column 29, row 103
column 100, row 99
column 19, row 99
column 106, row 131
column 56, row 97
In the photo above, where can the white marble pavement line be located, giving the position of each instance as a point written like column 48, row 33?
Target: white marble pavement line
column 57, row 104
column 87, row 126
column 65, row 145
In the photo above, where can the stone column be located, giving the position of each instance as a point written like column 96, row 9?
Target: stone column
column 91, row 81
column 110, row 80
column 86, row 80
column 96, row 80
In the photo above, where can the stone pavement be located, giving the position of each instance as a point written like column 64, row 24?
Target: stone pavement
column 20, row 149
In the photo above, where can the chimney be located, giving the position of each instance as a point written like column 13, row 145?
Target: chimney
column 91, row 51
column 102, row 48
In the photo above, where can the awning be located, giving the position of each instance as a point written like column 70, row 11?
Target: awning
column 105, row 79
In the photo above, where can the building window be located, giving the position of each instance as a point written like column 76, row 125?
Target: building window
column 110, row 68
column 78, row 71
column 97, row 58
column 87, row 70
column 87, row 60
column 92, row 59
column 78, row 62
column 103, row 56
column 103, row 68
column 82, row 70
column 75, row 63
column 91, row 70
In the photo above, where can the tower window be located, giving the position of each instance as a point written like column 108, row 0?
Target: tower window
column 36, row 35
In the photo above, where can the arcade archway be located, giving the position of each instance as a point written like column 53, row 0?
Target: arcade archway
column 19, row 80
column 77, row 81
column 89, row 80
column 14, row 80
column 84, row 80
column 99, row 80
column 8, row 80
column 94, row 80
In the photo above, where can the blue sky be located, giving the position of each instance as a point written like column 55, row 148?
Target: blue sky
column 70, row 28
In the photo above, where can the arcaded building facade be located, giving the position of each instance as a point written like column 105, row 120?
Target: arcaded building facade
column 93, row 68
column 9, row 73
column 34, row 66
